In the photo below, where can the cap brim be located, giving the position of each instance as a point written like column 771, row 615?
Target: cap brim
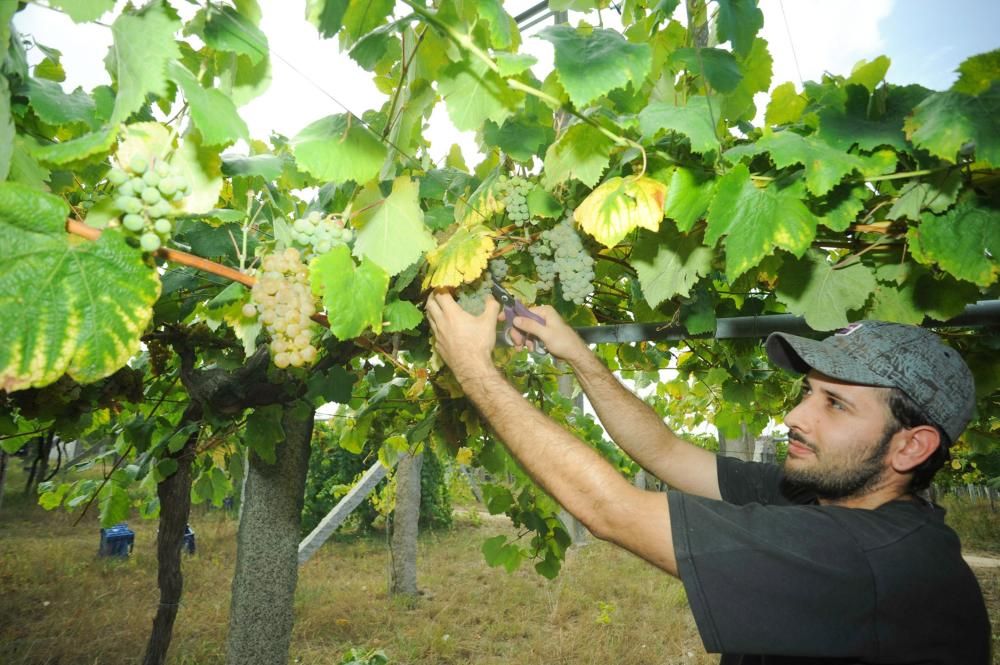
column 801, row 354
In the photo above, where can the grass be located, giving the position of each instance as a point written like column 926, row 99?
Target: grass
column 63, row 605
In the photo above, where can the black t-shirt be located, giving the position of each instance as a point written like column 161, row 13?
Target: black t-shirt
column 771, row 572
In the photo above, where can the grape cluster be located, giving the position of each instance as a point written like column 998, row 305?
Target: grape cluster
column 513, row 191
column 472, row 296
column 317, row 234
column 144, row 192
column 282, row 297
column 560, row 252
column 498, row 269
column 159, row 356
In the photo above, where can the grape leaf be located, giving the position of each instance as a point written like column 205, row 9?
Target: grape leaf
column 202, row 168
column 69, row 305
column 512, row 64
column 77, row 149
column 520, row 139
column 213, row 113
column 228, row 30
column 591, row 65
column 718, row 67
column 363, row 17
column 669, row 263
column 688, row 196
column 114, row 503
column 739, row 22
column 757, row 65
column 582, row 152
column 264, row 431
column 250, row 80
column 619, row 205
column 812, row 288
column 965, row 242
column 755, row 221
column 870, row 74
column 24, row 168
column 841, row 206
column 473, row 94
column 326, row 15
column 7, row 132
column 502, row 27
column 844, row 128
column 945, row 121
column 401, row 315
column 338, row 148
column 143, row 45
column 82, row 11
column 977, row 73
column 268, row 167
column 695, row 121
column 937, row 195
column 353, row 295
column 786, row 105
column 462, row 258
column 55, row 107
column 395, row 237
column 825, row 166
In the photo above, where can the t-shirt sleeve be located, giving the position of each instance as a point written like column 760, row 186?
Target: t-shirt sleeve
column 748, row 482
column 780, row 580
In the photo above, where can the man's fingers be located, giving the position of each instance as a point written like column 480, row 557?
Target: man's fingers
column 530, row 326
column 492, row 310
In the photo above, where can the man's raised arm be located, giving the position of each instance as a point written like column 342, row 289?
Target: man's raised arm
column 630, row 422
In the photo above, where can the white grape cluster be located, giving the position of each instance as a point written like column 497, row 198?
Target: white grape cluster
column 498, row 269
column 144, row 193
column 317, row 235
column 513, row 191
column 472, row 296
column 560, row 252
column 282, row 297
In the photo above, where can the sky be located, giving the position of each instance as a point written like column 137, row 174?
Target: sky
column 925, row 39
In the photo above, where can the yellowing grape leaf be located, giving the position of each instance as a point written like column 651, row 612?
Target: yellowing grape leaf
column 583, row 152
column 786, row 105
column 353, row 295
column 462, row 258
column 620, row 205
column 755, row 221
column 395, row 237
column 68, row 305
column 481, row 205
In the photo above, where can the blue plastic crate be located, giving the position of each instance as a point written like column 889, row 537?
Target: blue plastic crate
column 116, row 541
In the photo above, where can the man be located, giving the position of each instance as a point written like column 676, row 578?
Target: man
column 832, row 558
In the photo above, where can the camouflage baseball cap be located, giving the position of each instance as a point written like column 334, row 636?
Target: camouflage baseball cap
column 890, row 355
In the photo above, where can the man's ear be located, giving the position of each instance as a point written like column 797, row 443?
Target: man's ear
column 913, row 446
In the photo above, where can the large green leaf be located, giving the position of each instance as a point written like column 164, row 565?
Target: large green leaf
column 228, row 30
column 718, row 67
column 55, row 107
column 786, row 105
column 353, row 295
column 978, row 73
column 592, row 64
column 870, row 74
column 82, row 11
column 756, row 220
column 76, row 149
column 339, row 148
column 401, row 315
column 473, row 94
column 688, row 196
column 813, row 289
column 264, row 431
column 739, row 22
column 326, row 15
column 143, row 45
column 213, row 113
column 757, row 67
column 395, row 237
column 695, row 121
column 582, row 152
column 69, row 305
column 669, row 263
column 965, row 242
column 843, row 128
column 825, row 165
column 945, row 121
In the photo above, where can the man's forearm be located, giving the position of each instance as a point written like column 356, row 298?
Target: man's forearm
column 578, row 478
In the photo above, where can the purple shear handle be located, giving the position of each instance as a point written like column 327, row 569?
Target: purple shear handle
column 513, row 307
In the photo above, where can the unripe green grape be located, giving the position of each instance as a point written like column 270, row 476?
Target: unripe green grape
column 347, row 236
column 117, row 177
column 133, row 222
column 302, row 226
column 249, row 311
column 151, row 195
column 167, row 186
column 161, row 209
column 162, row 169
column 162, row 226
column 150, row 242
column 129, row 204
column 150, row 178
column 138, row 164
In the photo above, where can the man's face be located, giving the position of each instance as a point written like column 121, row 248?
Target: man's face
column 838, row 436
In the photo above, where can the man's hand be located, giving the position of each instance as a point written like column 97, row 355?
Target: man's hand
column 464, row 341
column 559, row 339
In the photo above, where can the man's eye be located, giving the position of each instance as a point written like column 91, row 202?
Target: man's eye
column 834, row 404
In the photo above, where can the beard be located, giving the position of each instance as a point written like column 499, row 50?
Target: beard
column 845, row 479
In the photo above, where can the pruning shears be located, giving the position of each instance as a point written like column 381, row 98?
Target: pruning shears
column 513, row 307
